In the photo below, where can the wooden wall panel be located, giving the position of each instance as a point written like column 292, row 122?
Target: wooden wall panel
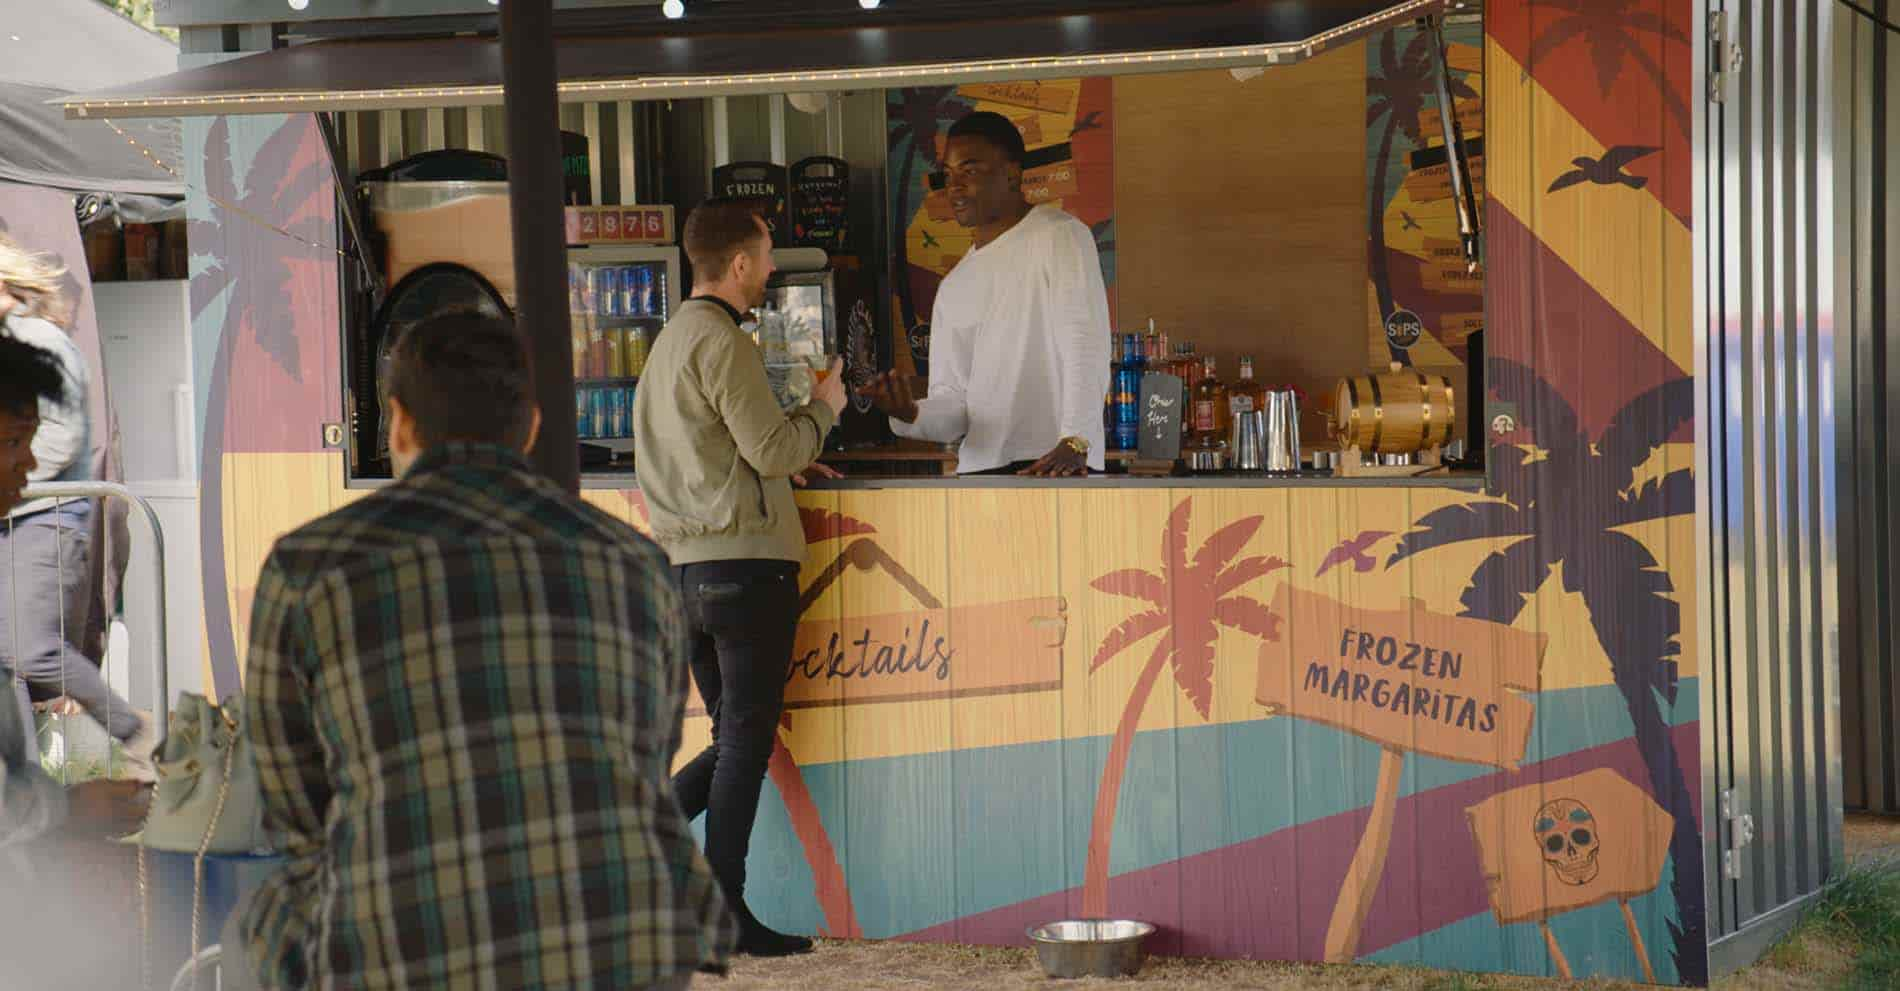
column 1240, row 213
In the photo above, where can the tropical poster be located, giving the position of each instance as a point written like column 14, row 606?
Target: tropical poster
column 1426, row 301
column 1067, row 132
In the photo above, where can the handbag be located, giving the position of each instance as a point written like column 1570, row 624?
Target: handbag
column 206, row 802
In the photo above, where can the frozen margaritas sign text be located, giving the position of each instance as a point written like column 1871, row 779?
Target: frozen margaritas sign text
column 1407, row 678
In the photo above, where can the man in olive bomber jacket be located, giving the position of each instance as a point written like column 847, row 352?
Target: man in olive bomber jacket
column 716, row 459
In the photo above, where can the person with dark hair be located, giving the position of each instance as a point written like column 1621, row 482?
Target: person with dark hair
column 465, row 694
column 717, row 459
column 1019, row 334
column 29, row 378
column 50, row 600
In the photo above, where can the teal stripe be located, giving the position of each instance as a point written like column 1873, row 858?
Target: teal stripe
column 929, row 838
column 1595, row 941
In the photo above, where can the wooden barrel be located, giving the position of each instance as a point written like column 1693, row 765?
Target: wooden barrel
column 1400, row 412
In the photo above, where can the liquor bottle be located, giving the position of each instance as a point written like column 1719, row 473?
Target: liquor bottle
column 1127, row 381
column 1212, row 416
column 1248, row 394
column 1188, row 370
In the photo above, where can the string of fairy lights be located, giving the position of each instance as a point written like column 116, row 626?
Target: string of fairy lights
column 235, row 208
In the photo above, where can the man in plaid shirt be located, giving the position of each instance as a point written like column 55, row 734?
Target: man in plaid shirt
column 465, row 694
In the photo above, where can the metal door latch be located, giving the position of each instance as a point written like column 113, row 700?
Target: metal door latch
column 333, row 435
column 1741, row 834
column 1725, row 57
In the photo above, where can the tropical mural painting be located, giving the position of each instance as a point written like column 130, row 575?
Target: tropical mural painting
column 1426, row 302
column 1198, row 705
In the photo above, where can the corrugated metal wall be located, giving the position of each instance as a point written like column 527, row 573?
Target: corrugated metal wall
column 625, row 141
column 1767, row 439
column 1867, row 391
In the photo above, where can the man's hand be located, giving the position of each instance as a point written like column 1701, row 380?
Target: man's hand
column 1061, row 462
column 892, row 394
column 830, row 390
column 818, row 469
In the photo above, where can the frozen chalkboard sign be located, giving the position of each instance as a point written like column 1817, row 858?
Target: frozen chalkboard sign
column 1160, row 418
column 821, row 188
column 760, row 181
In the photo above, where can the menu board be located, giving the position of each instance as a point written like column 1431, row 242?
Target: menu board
column 820, row 196
column 1160, row 417
column 761, row 181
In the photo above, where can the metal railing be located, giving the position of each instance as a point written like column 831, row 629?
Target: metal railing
column 65, row 492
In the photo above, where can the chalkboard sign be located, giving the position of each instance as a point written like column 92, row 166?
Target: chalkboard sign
column 821, row 190
column 761, row 181
column 1160, row 417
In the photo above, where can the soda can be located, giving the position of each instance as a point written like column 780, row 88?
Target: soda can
column 649, row 293
column 599, row 409
column 616, row 403
column 1127, row 436
column 609, row 290
column 583, row 415
column 631, row 391
column 633, row 301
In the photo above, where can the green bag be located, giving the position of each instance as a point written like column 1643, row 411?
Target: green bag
column 207, row 799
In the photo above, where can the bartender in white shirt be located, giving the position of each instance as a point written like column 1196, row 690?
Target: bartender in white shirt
column 1019, row 334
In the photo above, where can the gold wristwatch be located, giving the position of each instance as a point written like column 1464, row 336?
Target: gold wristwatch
column 1077, row 444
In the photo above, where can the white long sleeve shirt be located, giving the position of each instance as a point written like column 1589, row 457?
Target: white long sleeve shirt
column 1019, row 347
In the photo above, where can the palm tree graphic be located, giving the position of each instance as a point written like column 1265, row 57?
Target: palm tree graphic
column 1610, row 28
column 251, row 281
column 921, row 111
column 1404, row 84
column 1567, row 502
column 1190, row 601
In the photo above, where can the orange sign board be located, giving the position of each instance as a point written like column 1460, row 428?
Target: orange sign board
column 1558, row 846
column 1432, row 183
column 1050, row 182
column 989, row 649
column 1048, row 98
column 1407, row 678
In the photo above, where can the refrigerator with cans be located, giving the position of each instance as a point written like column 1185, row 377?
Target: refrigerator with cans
column 619, row 296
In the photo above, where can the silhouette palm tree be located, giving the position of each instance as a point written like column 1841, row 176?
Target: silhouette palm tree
column 1399, row 93
column 1610, row 28
column 251, row 280
column 913, row 139
column 1190, row 602
column 1567, row 502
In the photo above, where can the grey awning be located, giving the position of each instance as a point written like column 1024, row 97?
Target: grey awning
column 40, row 147
column 390, row 74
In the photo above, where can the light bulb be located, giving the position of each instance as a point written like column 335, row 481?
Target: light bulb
column 299, row 4
column 868, row 4
column 673, row 9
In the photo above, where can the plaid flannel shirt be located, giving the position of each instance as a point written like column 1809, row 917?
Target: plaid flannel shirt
column 465, row 694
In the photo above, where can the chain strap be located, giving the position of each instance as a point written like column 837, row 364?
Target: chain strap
column 197, row 878
column 198, row 863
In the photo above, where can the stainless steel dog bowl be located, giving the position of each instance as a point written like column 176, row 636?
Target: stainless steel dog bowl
column 1091, row 947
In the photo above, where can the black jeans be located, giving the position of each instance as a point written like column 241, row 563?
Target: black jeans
column 741, row 617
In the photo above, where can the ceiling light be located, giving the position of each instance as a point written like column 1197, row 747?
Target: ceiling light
column 868, row 4
column 299, row 4
column 673, row 9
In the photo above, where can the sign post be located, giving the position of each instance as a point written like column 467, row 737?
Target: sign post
column 1410, row 680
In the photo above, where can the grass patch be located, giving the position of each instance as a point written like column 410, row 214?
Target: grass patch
column 1851, row 933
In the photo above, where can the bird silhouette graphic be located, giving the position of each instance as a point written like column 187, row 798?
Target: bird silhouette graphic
column 1089, row 122
column 930, row 242
column 1354, row 549
column 1407, row 223
column 1605, row 171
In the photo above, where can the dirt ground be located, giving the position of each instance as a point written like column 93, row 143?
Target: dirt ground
column 864, row 966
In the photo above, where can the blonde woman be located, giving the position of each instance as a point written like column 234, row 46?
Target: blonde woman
column 46, row 600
